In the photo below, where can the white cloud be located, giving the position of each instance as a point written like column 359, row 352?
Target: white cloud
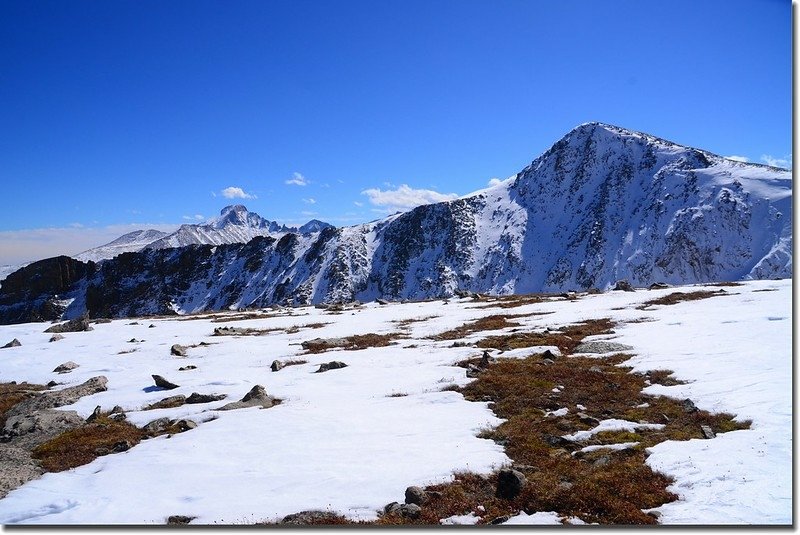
column 404, row 198
column 196, row 217
column 495, row 181
column 310, row 200
column 308, row 213
column 297, row 180
column 743, row 159
column 785, row 162
column 236, row 193
column 19, row 246
column 359, row 204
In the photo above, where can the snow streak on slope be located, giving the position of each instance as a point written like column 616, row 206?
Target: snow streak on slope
column 127, row 243
column 338, row 441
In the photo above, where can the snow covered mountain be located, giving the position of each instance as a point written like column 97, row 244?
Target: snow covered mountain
column 235, row 224
column 130, row 242
column 602, row 204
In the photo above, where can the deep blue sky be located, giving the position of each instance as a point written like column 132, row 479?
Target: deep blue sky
column 139, row 112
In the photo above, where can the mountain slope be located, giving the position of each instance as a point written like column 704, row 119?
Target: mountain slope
column 602, row 204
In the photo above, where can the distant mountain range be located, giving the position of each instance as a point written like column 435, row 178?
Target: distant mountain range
column 602, row 204
column 235, row 224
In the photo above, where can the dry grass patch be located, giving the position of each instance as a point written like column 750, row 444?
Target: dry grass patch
column 83, row 445
column 727, row 284
column 351, row 343
column 296, row 328
column 488, row 323
column 679, row 297
column 513, row 301
column 603, row 486
column 404, row 324
column 566, row 339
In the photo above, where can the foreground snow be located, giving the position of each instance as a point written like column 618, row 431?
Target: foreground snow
column 339, row 442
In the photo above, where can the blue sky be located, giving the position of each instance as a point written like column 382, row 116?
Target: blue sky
column 131, row 114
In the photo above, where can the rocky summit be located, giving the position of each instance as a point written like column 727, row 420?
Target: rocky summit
column 602, row 204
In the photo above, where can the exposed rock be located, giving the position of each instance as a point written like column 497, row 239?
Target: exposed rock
column 658, row 286
column 168, row 403
column 102, row 320
column 51, row 384
column 204, row 398
column 66, row 367
column 276, row 365
column 382, row 302
column 185, row 425
column 28, row 430
column 178, row 350
column 151, row 326
column 95, row 415
column 596, row 369
column 58, row 398
column 71, row 326
column 410, row 510
column 332, row 365
column 416, row 495
column 12, row 343
column 624, row 285
column 157, row 426
column 16, row 468
column 689, row 406
column 117, row 410
column 707, row 431
column 548, row 355
column 177, row 520
column 500, row 520
column 509, row 483
column 601, row 347
column 586, row 419
column 391, row 508
column 556, row 441
column 320, row 344
column 257, row 397
column 231, row 331
column 163, row 383
column 310, row 517
column 56, row 337
column 186, row 368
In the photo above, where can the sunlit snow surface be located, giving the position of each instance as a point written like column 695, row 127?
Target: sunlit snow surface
column 339, row 442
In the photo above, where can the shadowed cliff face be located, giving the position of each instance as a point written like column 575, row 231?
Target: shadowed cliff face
column 602, row 204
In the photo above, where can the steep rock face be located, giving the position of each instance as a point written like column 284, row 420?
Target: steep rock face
column 602, row 204
column 36, row 292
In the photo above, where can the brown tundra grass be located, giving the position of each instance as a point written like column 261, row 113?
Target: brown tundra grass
column 678, row 297
column 13, row 393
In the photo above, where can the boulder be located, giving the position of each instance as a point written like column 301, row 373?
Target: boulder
column 509, row 483
column 303, row 518
column 163, row 383
column 71, row 326
column 178, row 350
column 204, row 398
column 333, row 365
column 276, row 365
column 601, row 347
column 56, row 337
column 95, row 415
column 32, row 429
column 157, row 426
column 416, row 495
column 256, row 397
column 624, row 286
column 186, row 368
column 177, row 520
column 167, row 403
column 12, row 343
column 66, row 367
column 58, row 398
column 658, row 286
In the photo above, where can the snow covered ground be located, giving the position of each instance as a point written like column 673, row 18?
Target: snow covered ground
column 351, row 440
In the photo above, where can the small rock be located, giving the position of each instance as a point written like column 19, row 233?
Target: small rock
column 333, row 365
column 548, row 355
column 410, row 510
column 178, row 350
column 565, row 485
column 317, row 518
column 548, row 362
column 601, row 347
column 117, row 410
column 167, row 403
column 102, row 320
column 624, row 286
column 51, row 384
column 509, row 483
column 95, row 415
column 134, row 323
column 185, row 368
column 71, row 326
column 56, row 337
column 381, row 302
column 500, row 520
column 707, row 431
column 204, row 398
column 276, row 365
column 689, row 406
column 156, row 426
column 122, row 445
column 416, row 495
column 658, row 286
column 118, row 417
column 601, row 461
column 654, row 514
column 556, row 441
column 586, row 419
column 176, row 520
column 257, row 396
column 596, row 369
column 133, row 341
column 163, row 383
column 391, row 508
column 151, row 326
column 12, row 343
column 185, row 425
column 66, row 367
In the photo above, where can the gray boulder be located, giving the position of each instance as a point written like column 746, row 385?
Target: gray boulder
column 276, row 365
column 57, row 398
column 12, row 343
column 56, row 337
column 333, row 365
column 204, row 398
column 601, row 347
column 624, row 286
column 163, row 383
column 157, row 426
column 257, row 397
column 416, row 495
column 66, row 367
column 168, row 403
column 178, row 350
column 71, row 326
column 32, row 429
